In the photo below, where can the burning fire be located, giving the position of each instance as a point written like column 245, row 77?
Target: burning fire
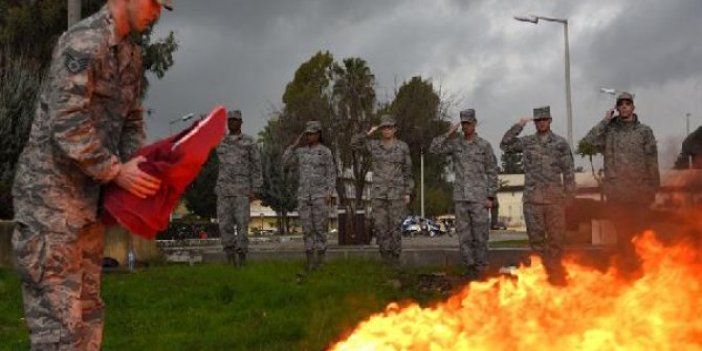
column 662, row 310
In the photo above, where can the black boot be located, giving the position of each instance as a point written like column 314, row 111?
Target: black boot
column 242, row 259
column 310, row 261
column 320, row 260
column 231, row 258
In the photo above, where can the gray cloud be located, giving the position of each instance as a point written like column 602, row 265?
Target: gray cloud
column 242, row 53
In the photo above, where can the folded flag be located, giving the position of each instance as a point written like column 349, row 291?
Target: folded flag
column 176, row 161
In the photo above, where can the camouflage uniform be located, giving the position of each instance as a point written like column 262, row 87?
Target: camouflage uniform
column 392, row 180
column 239, row 176
column 317, row 181
column 88, row 121
column 631, row 176
column 475, row 169
column 549, row 186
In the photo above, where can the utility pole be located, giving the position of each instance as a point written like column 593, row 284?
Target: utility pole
column 73, row 12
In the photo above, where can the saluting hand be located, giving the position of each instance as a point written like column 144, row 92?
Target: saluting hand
column 136, row 181
column 610, row 114
column 372, row 130
column 524, row 120
column 454, row 128
column 298, row 141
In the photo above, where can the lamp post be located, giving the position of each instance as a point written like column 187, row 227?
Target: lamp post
column 179, row 119
column 569, row 106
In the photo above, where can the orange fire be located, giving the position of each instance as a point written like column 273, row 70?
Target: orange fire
column 662, row 310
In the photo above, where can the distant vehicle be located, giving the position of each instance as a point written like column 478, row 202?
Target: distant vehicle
column 415, row 225
column 499, row 225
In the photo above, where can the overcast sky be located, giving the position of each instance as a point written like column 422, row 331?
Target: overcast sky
column 243, row 53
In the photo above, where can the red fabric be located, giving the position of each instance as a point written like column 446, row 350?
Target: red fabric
column 176, row 161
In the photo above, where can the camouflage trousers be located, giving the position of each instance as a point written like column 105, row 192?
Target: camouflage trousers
column 630, row 220
column 473, row 229
column 314, row 218
column 546, row 230
column 60, row 277
column 233, row 215
column 387, row 224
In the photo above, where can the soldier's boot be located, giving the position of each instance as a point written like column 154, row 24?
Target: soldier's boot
column 320, row 260
column 231, row 258
column 310, row 261
column 472, row 274
column 242, row 259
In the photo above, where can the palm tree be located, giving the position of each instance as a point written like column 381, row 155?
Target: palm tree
column 354, row 100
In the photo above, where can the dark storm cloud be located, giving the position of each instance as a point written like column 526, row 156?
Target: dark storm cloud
column 242, row 53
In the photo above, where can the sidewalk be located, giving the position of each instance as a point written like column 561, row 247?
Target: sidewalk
column 439, row 251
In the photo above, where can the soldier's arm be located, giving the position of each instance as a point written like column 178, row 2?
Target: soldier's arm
column 491, row 170
column 72, row 127
column 651, row 152
column 133, row 135
column 511, row 141
column 360, row 142
column 596, row 135
column 289, row 157
column 256, row 169
column 567, row 170
column 407, row 171
column 331, row 173
column 440, row 145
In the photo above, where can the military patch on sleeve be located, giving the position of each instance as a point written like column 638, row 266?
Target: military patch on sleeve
column 76, row 61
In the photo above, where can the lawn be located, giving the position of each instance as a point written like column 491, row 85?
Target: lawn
column 266, row 306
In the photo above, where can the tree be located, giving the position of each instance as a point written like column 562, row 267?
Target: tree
column 200, row 197
column 512, row 163
column 586, row 149
column 417, row 108
column 279, row 187
column 354, row 102
column 28, row 33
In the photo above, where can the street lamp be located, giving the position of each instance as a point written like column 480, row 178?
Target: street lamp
column 569, row 107
column 179, row 119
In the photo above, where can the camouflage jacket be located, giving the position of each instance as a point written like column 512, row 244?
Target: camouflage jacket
column 391, row 167
column 630, row 160
column 239, row 166
column 549, row 176
column 88, row 120
column 316, row 169
column 474, row 166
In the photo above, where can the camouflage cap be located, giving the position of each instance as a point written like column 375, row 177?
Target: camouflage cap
column 313, row 127
column 543, row 112
column 167, row 4
column 468, row 116
column 387, row 121
column 625, row 96
column 236, row 114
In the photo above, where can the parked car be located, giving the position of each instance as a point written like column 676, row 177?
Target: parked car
column 415, row 225
column 499, row 225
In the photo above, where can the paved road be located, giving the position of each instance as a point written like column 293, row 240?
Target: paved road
column 295, row 242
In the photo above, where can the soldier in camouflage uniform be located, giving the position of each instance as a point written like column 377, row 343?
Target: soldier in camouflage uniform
column 87, row 125
column 317, row 172
column 474, row 189
column 630, row 169
column 549, row 186
column 238, row 183
column 392, row 185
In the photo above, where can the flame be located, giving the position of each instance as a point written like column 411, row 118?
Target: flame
column 662, row 310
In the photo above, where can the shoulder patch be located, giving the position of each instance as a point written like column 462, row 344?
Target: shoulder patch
column 76, row 61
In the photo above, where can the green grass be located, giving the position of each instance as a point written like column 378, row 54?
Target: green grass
column 266, row 306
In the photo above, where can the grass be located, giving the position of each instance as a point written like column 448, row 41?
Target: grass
column 266, row 306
